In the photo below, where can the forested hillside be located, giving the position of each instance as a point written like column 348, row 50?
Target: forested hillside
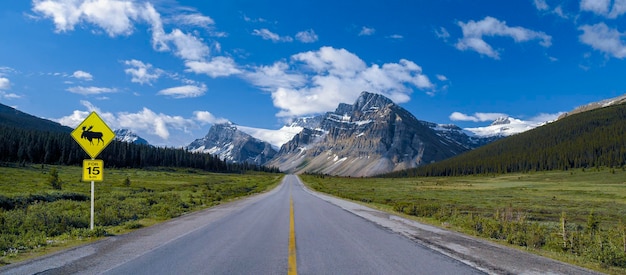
column 590, row 139
column 34, row 146
column 13, row 118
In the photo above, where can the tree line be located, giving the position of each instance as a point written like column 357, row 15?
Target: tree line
column 34, row 146
column 594, row 138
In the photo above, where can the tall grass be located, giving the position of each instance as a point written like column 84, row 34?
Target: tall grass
column 35, row 215
column 578, row 216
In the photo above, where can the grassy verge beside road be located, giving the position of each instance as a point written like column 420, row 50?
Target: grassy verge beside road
column 36, row 218
column 578, row 216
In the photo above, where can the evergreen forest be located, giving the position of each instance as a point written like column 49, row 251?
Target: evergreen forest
column 595, row 138
column 18, row 145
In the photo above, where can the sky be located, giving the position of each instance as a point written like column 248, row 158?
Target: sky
column 168, row 69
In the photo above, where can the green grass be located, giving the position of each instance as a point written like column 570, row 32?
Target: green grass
column 522, row 210
column 36, row 219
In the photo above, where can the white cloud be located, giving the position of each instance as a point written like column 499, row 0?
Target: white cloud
column 396, row 36
column 117, row 17
column 146, row 122
column 188, row 46
column 5, row 84
column 268, row 35
column 442, row 33
column 365, row 31
column 476, row 117
column 604, row 8
column 194, row 19
column 315, row 81
column 113, row 16
column 219, row 66
column 82, row 75
column 276, row 75
column 185, row 91
column 544, row 117
column 602, row 38
column 142, row 73
column 475, row 31
column 91, row 90
column 205, row 117
column 541, row 5
column 6, row 95
column 307, row 36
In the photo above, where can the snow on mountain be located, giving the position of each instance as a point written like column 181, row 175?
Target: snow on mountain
column 504, row 126
column 126, row 135
column 274, row 137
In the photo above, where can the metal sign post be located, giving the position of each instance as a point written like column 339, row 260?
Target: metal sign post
column 93, row 135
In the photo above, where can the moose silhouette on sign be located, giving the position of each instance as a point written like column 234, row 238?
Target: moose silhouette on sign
column 89, row 135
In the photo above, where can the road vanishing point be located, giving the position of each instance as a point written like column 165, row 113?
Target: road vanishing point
column 291, row 230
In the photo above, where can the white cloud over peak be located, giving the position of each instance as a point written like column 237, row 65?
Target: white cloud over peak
column 476, row 117
column 142, row 73
column 316, row 81
column 156, row 127
column 205, row 117
column 604, row 39
column 475, row 31
column 185, row 91
column 82, row 75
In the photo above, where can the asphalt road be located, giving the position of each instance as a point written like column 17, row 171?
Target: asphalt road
column 291, row 230
column 253, row 237
column 328, row 240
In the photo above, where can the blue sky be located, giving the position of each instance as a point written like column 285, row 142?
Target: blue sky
column 170, row 69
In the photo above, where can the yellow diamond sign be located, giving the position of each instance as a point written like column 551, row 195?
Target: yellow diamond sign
column 93, row 135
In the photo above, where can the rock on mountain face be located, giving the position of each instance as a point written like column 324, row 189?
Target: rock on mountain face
column 372, row 136
column 126, row 135
column 595, row 105
column 456, row 134
column 233, row 145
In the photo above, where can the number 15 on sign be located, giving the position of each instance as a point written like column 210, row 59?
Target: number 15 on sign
column 93, row 170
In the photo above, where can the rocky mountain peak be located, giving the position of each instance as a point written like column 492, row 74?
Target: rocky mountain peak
column 368, row 101
column 503, row 120
column 126, row 135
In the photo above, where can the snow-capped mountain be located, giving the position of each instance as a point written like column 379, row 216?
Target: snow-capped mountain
column 274, row 137
column 232, row 144
column 503, row 127
column 126, row 135
column 371, row 136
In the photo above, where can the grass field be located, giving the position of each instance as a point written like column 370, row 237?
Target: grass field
column 577, row 216
column 37, row 219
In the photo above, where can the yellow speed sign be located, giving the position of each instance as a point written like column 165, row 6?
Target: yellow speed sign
column 93, row 170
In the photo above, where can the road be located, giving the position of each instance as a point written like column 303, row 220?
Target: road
column 289, row 230
column 328, row 240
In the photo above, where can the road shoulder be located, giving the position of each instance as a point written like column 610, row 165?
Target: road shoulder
column 489, row 257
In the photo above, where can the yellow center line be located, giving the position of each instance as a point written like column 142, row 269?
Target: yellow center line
column 293, row 269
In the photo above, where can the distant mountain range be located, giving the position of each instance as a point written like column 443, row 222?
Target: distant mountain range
column 126, row 135
column 371, row 136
